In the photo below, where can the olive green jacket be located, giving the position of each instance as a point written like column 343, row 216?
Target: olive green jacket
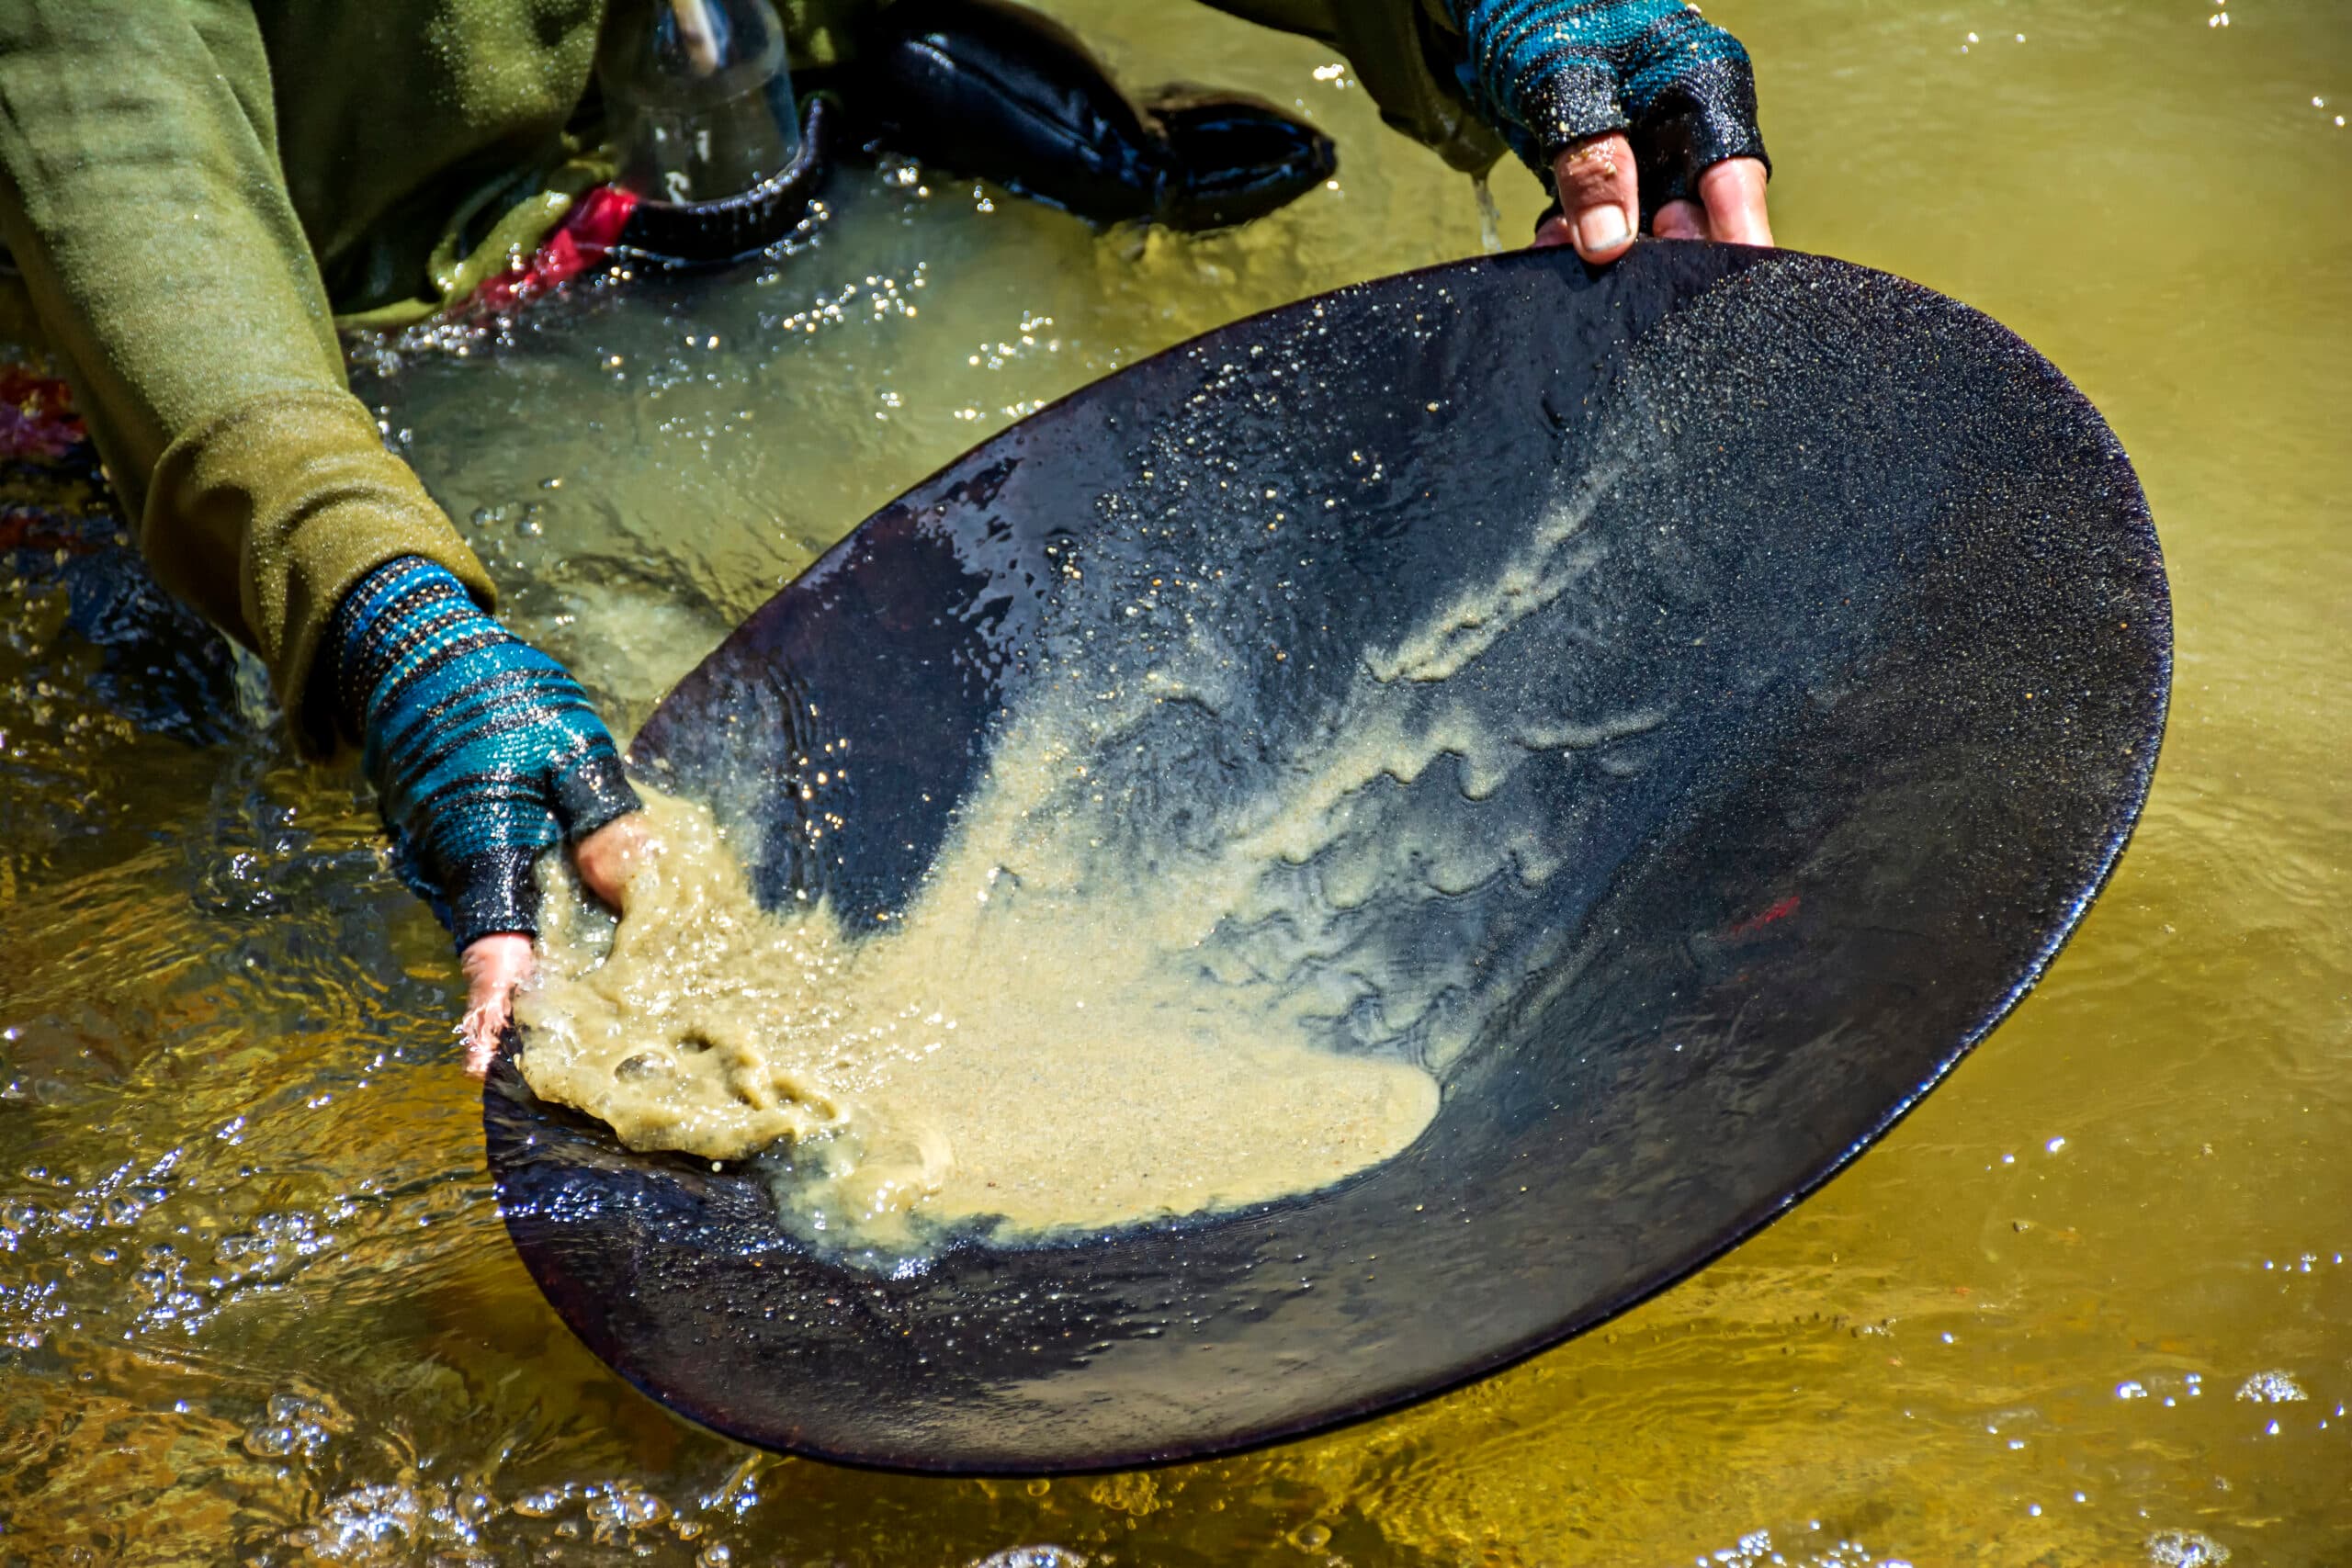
column 194, row 190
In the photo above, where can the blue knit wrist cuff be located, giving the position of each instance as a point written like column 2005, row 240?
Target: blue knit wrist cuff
column 483, row 751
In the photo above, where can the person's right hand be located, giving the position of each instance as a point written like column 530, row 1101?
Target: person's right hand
column 496, row 964
column 484, row 754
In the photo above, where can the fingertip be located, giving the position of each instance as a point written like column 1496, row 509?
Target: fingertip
column 1737, row 209
column 1681, row 220
column 494, row 967
column 611, row 856
column 1599, row 191
column 1604, row 232
column 482, row 1030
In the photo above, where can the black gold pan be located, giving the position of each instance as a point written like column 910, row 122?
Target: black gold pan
column 1853, row 614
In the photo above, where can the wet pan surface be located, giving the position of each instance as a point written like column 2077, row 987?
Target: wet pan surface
column 1845, row 622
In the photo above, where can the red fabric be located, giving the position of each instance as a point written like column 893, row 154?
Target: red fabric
column 36, row 417
column 585, row 237
column 48, row 531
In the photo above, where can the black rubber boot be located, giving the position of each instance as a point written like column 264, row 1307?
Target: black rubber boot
column 1238, row 158
column 990, row 90
column 704, row 233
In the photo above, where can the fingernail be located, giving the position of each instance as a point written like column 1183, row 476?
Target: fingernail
column 1601, row 227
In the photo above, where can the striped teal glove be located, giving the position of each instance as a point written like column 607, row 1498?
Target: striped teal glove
column 483, row 753
column 1550, row 73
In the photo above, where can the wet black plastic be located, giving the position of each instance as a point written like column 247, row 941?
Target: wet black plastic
column 999, row 91
column 1885, row 575
column 713, row 233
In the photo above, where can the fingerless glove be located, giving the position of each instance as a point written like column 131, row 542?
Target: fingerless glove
column 1549, row 73
column 484, row 753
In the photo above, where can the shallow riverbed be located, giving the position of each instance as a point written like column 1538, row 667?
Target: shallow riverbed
column 2089, row 1304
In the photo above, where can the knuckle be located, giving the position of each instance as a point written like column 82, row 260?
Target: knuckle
column 1596, row 171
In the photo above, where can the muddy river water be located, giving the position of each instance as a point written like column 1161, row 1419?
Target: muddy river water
column 2088, row 1306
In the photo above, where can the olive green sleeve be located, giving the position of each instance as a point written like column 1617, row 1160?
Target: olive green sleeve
column 1405, row 52
column 142, row 195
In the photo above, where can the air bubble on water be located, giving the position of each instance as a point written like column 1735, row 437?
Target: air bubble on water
column 2185, row 1549
column 2271, row 1388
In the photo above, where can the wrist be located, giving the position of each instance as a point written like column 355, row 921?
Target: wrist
column 404, row 617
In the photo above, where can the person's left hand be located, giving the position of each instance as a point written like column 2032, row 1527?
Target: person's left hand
column 1601, row 203
column 1627, row 106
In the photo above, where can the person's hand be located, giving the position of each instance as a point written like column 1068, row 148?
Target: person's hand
column 484, row 754
column 1628, row 108
column 1601, row 203
column 496, row 964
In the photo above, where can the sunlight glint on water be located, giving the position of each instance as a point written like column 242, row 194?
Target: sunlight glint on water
column 254, row 1302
